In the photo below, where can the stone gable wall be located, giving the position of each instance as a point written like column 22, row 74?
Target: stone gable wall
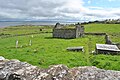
column 64, row 33
column 79, row 31
column 60, row 32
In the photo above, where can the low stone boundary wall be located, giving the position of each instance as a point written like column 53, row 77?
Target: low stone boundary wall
column 102, row 34
column 16, row 70
column 7, row 36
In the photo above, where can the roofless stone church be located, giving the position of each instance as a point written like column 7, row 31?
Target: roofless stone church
column 59, row 31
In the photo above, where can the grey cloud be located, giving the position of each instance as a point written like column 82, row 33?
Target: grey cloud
column 118, row 14
column 30, row 8
column 93, row 14
column 49, row 9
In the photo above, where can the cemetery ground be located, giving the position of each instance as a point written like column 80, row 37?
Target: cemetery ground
column 46, row 51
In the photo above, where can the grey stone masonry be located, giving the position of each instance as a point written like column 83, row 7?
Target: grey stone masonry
column 60, row 32
column 16, row 70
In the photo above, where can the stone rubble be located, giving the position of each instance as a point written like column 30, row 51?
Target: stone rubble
column 16, row 70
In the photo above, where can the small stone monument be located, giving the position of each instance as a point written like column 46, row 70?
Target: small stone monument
column 30, row 43
column 108, row 41
column 17, row 44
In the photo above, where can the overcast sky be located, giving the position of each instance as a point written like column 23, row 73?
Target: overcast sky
column 59, row 9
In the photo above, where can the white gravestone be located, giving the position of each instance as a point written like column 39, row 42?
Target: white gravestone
column 17, row 44
column 30, row 43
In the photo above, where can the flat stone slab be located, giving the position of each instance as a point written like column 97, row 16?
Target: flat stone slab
column 80, row 48
column 107, row 47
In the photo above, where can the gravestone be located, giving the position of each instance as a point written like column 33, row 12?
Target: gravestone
column 17, row 44
column 30, row 43
column 107, row 49
column 108, row 41
column 80, row 48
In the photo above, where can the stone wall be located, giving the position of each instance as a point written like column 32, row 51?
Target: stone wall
column 79, row 31
column 101, row 34
column 16, row 70
column 58, row 26
column 64, row 33
column 60, row 32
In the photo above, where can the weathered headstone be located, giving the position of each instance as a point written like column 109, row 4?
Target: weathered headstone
column 107, row 39
column 30, row 43
column 17, row 44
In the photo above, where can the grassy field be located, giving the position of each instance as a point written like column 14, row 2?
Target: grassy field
column 46, row 51
column 113, row 30
column 24, row 30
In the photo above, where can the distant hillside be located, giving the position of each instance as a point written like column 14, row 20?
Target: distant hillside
column 107, row 21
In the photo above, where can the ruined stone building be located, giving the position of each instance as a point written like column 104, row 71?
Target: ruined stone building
column 59, row 31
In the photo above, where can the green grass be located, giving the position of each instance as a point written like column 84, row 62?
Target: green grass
column 46, row 51
column 113, row 30
column 24, row 30
column 108, row 28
